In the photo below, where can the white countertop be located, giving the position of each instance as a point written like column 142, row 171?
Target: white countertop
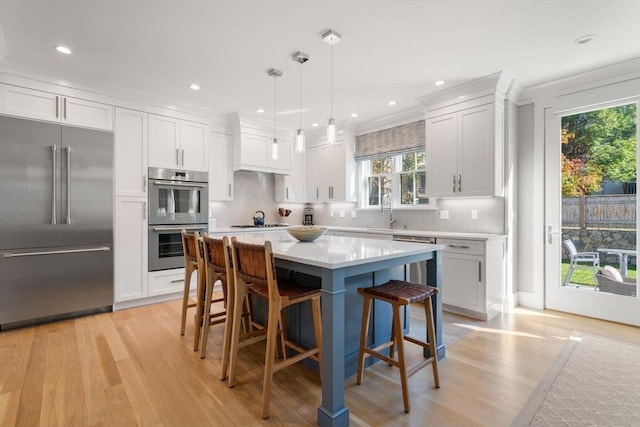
column 381, row 231
column 334, row 252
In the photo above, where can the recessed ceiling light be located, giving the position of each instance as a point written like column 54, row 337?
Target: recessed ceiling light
column 585, row 39
column 315, row 125
column 354, row 115
column 63, row 49
column 259, row 110
column 439, row 82
column 194, row 86
column 392, row 102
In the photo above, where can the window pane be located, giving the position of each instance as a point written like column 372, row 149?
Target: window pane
column 421, row 188
column 386, row 187
column 406, row 189
column 376, row 166
column 387, row 165
column 374, row 191
column 420, row 156
column 408, row 162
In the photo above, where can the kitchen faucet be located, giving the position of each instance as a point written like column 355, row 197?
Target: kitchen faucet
column 386, row 203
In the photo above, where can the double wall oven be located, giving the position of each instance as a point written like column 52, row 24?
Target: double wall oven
column 177, row 199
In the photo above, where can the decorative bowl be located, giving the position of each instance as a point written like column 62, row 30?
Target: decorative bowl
column 307, row 233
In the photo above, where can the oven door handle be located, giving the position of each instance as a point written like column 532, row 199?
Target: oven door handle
column 179, row 184
column 192, row 227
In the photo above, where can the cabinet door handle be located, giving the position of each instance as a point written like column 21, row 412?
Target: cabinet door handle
column 144, row 183
column 183, row 157
column 57, row 106
column 178, row 156
column 459, row 183
column 229, row 189
column 177, row 281
column 286, row 191
column 317, row 193
column 144, row 210
column 479, row 271
column 460, row 246
column 454, row 183
column 64, row 109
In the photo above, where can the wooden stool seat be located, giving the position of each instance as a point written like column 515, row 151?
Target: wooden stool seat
column 399, row 293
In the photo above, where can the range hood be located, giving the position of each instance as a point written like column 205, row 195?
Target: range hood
column 252, row 146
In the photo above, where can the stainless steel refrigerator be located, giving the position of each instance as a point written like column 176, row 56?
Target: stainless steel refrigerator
column 56, row 221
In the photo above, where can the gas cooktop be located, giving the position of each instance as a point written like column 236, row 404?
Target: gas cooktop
column 260, row 226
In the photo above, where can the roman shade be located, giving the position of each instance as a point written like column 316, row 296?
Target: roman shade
column 395, row 140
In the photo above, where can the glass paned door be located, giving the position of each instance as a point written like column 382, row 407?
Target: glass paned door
column 590, row 215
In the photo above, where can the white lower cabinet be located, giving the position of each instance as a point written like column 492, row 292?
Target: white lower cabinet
column 130, row 248
column 169, row 281
column 473, row 276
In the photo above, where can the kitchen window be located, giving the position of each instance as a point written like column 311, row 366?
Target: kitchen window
column 394, row 180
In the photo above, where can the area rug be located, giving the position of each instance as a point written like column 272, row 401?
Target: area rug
column 595, row 381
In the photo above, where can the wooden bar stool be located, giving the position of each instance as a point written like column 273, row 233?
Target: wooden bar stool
column 398, row 294
column 191, row 264
column 255, row 272
column 215, row 268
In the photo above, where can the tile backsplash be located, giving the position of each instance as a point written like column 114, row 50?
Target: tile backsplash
column 255, row 191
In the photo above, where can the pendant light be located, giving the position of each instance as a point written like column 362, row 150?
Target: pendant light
column 300, row 58
column 274, row 144
column 332, row 38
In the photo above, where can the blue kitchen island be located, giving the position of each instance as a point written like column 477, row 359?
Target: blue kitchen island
column 341, row 265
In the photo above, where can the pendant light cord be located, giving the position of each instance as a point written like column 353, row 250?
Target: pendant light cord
column 300, row 127
column 274, row 106
column 331, row 91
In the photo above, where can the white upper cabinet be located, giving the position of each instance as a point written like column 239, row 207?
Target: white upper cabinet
column 41, row 105
column 175, row 143
column 461, row 156
column 464, row 132
column 252, row 150
column 220, row 172
column 131, row 152
column 332, row 171
column 293, row 188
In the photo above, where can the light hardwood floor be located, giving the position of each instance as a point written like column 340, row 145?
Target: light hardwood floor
column 132, row 367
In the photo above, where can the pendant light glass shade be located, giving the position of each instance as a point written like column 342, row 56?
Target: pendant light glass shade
column 332, row 38
column 300, row 141
column 331, row 131
column 274, row 144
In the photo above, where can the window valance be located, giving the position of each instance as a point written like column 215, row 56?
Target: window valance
column 394, row 140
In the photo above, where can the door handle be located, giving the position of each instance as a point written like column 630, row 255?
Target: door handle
column 64, row 251
column 57, row 106
column 454, row 183
column 54, row 168
column 183, row 157
column 177, row 156
column 64, row 109
column 68, row 151
column 229, row 189
column 550, row 233
column 459, row 183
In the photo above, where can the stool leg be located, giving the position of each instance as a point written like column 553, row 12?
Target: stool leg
column 431, row 337
column 228, row 327
column 240, row 295
column 199, row 309
column 272, row 337
column 188, row 269
column 401, row 362
column 283, row 337
column 317, row 330
column 366, row 311
column 208, row 295
column 392, row 349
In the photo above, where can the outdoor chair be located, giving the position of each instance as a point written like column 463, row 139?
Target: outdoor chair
column 576, row 257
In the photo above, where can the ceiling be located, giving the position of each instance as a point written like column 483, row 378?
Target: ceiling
column 391, row 50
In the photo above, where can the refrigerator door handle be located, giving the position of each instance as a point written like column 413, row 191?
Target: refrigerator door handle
column 68, row 151
column 54, row 168
column 64, row 251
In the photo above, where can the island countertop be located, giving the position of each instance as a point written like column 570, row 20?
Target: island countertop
column 333, row 252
